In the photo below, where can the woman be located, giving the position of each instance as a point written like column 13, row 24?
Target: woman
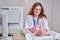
column 37, row 19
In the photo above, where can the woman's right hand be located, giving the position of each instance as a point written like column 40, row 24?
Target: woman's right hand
column 33, row 34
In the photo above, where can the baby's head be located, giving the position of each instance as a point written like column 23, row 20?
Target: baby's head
column 42, row 31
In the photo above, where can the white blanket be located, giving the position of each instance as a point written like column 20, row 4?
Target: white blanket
column 53, row 37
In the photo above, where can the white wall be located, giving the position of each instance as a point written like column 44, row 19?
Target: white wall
column 56, row 15
column 4, row 3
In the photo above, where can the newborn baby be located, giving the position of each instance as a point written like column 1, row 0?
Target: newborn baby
column 39, row 31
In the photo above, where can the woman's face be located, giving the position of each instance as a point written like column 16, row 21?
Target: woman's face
column 37, row 10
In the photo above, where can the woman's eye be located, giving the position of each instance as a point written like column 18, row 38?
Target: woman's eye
column 35, row 9
column 39, row 9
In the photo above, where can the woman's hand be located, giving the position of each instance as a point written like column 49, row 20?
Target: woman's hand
column 48, row 34
column 33, row 30
column 32, row 33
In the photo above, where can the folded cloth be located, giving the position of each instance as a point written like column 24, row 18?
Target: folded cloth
column 30, row 37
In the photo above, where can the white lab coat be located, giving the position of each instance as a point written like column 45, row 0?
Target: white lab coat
column 29, row 24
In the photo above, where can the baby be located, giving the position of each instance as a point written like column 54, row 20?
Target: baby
column 39, row 31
